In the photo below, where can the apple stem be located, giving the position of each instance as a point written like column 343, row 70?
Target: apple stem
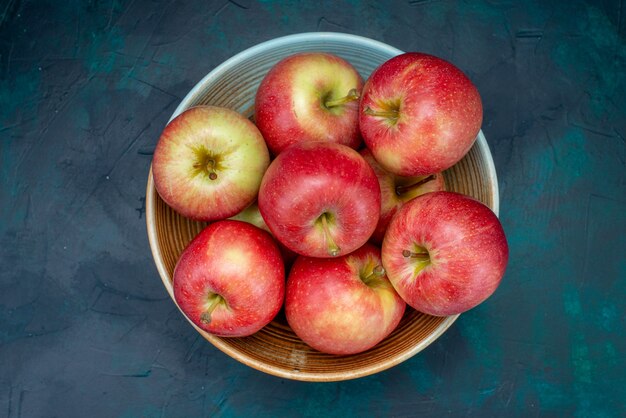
column 214, row 301
column 333, row 248
column 374, row 276
column 210, row 168
column 403, row 189
column 411, row 254
column 350, row 97
column 390, row 114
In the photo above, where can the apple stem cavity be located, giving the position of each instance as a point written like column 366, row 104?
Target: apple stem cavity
column 374, row 277
column 333, row 248
column 411, row 254
column 350, row 97
column 209, row 167
column 400, row 190
column 389, row 114
column 214, row 301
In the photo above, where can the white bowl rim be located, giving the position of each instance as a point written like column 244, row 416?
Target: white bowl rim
column 278, row 42
column 152, row 232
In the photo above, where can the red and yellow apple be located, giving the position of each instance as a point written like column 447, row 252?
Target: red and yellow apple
column 230, row 280
column 320, row 199
column 419, row 114
column 342, row 305
column 309, row 97
column 445, row 253
column 208, row 163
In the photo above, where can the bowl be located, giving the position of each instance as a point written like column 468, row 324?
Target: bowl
column 276, row 349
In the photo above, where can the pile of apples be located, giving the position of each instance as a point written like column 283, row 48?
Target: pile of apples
column 361, row 230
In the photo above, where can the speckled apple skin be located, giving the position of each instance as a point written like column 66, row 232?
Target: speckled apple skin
column 312, row 178
column 440, row 114
column 244, row 159
column 331, row 309
column 289, row 102
column 467, row 247
column 241, row 263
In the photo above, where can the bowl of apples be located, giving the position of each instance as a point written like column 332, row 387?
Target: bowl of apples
column 323, row 206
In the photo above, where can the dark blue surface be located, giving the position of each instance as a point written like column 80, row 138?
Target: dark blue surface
column 86, row 327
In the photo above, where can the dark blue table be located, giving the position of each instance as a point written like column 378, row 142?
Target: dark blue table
column 86, row 327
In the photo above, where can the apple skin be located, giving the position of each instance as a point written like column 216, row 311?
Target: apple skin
column 392, row 196
column 466, row 246
column 332, row 309
column 439, row 114
column 242, row 264
column 315, row 183
column 189, row 143
column 289, row 104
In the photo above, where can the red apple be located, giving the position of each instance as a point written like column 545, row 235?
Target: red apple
column 343, row 305
column 419, row 114
column 396, row 190
column 309, row 97
column 445, row 253
column 209, row 162
column 230, row 280
column 320, row 199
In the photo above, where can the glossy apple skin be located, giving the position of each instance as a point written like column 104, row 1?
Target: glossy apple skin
column 311, row 179
column 331, row 308
column 243, row 265
column 467, row 247
column 289, row 102
column 390, row 200
column 439, row 114
column 186, row 142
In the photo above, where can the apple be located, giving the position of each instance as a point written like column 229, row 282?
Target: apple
column 342, row 305
column 320, row 199
column 444, row 253
column 419, row 114
column 208, row 163
column 230, row 280
column 252, row 215
column 309, row 97
column 397, row 190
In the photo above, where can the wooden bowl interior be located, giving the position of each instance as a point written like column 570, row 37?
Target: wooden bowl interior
column 276, row 349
